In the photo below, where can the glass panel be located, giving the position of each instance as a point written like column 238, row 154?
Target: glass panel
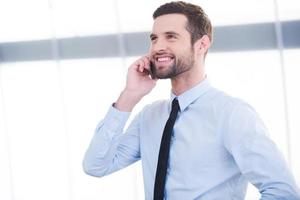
column 238, row 12
column 24, row 20
column 289, row 9
column 84, row 17
column 292, row 63
column 90, row 87
column 35, row 127
column 139, row 18
column 5, row 171
column 220, row 12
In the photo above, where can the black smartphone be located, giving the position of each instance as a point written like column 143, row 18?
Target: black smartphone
column 151, row 70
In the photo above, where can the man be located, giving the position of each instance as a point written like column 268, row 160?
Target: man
column 200, row 144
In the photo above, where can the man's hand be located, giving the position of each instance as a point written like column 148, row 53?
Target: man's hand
column 138, row 84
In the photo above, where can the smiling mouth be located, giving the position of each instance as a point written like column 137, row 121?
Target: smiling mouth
column 164, row 59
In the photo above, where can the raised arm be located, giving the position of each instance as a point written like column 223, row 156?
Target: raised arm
column 110, row 149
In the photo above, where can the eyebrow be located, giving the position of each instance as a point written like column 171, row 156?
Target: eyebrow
column 165, row 33
column 171, row 33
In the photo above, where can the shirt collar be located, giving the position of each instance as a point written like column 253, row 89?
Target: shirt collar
column 189, row 96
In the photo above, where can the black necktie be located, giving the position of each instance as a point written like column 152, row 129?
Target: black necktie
column 162, row 164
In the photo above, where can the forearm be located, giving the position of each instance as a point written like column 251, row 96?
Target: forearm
column 279, row 191
column 98, row 159
column 103, row 155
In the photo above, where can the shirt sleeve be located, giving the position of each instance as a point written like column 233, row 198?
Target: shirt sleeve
column 110, row 149
column 257, row 156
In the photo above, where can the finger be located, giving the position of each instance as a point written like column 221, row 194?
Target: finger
column 137, row 65
column 147, row 62
column 141, row 65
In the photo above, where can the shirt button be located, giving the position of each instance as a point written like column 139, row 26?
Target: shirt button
column 168, row 172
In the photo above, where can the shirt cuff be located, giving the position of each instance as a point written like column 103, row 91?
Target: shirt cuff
column 115, row 119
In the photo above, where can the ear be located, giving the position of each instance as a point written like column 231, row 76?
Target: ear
column 202, row 45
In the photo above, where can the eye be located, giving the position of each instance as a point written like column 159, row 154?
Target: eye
column 153, row 38
column 171, row 36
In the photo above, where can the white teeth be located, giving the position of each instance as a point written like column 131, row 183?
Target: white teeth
column 163, row 59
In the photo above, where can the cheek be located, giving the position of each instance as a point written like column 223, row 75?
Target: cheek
column 151, row 52
column 150, row 48
column 184, row 53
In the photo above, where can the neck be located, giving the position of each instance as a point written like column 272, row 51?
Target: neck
column 187, row 80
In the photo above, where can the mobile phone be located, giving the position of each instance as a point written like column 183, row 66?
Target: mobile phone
column 151, row 70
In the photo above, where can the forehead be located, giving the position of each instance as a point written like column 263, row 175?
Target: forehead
column 170, row 22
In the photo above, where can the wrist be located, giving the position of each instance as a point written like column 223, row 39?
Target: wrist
column 127, row 100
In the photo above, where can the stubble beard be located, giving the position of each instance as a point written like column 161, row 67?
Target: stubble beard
column 180, row 65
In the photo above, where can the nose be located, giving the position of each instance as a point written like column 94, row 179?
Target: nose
column 158, row 46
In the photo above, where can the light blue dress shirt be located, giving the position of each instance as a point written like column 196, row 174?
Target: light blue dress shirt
column 218, row 145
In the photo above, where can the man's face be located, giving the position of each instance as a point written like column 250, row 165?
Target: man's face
column 171, row 51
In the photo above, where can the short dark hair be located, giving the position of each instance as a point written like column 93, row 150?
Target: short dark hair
column 198, row 22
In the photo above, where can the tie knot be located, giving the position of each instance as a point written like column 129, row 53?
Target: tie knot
column 175, row 105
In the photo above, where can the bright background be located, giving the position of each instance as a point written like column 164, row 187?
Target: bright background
column 49, row 108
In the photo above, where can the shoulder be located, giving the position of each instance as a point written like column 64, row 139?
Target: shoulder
column 230, row 109
column 223, row 102
column 155, row 108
